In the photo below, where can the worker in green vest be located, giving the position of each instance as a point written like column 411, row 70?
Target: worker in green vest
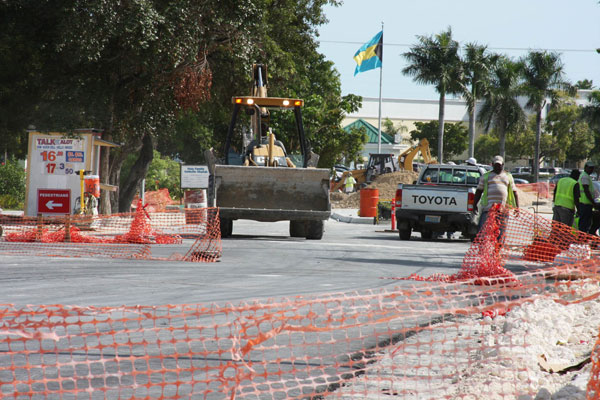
column 586, row 198
column 349, row 184
column 566, row 198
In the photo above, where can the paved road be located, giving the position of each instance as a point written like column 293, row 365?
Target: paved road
column 259, row 261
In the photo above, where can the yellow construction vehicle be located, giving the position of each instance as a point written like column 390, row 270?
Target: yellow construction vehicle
column 405, row 160
column 378, row 164
column 268, row 186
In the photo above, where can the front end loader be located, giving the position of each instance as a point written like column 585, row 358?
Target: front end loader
column 268, row 186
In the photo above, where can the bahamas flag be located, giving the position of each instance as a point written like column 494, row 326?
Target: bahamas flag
column 370, row 55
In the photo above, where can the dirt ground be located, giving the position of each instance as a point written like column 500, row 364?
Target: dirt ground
column 388, row 183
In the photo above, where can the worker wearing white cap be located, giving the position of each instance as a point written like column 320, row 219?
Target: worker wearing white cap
column 495, row 187
column 586, row 199
column 472, row 161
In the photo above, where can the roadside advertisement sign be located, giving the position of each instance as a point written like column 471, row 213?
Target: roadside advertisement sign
column 53, row 163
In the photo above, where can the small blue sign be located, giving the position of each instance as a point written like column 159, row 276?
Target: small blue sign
column 74, row 156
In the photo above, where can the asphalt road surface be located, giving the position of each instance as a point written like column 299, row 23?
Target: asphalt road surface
column 259, row 261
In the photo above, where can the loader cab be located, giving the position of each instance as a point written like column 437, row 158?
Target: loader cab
column 383, row 163
column 257, row 150
column 379, row 164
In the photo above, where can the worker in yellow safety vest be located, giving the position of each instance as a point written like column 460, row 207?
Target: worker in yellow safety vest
column 586, row 198
column 349, row 184
column 495, row 187
column 566, row 198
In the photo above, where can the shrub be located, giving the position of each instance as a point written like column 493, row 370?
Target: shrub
column 12, row 185
column 9, row 202
column 162, row 173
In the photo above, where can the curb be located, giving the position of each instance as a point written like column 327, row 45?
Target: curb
column 353, row 220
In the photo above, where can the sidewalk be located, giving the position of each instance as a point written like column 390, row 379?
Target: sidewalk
column 350, row 215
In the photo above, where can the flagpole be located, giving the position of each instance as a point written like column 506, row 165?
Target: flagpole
column 380, row 84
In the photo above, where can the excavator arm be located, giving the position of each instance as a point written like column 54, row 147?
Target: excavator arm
column 405, row 159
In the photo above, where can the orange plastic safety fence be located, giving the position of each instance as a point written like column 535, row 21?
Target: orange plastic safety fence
column 517, row 236
column 155, row 200
column 188, row 235
column 422, row 340
column 543, row 190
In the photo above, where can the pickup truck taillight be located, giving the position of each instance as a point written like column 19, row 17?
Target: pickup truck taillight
column 470, row 201
column 399, row 197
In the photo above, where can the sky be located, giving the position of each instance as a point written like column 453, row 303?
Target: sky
column 510, row 27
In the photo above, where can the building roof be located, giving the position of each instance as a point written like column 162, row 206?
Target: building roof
column 372, row 132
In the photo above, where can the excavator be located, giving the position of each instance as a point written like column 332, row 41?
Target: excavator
column 405, row 159
column 268, row 186
column 386, row 163
column 378, row 164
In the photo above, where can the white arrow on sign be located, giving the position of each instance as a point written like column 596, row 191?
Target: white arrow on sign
column 51, row 204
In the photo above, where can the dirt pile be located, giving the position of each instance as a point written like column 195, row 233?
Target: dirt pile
column 386, row 184
column 527, row 199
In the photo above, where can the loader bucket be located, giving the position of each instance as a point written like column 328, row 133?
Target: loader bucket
column 272, row 193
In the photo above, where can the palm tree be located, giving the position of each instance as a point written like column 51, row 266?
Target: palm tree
column 592, row 111
column 435, row 61
column 477, row 64
column 500, row 108
column 543, row 78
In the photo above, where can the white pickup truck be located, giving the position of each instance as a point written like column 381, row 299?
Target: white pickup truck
column 441, row 200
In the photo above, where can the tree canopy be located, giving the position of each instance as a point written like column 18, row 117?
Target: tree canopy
column 156, row 73
column 455, row 137
column 543, row 75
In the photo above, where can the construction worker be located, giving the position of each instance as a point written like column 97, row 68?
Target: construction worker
column 472, row 161
column 566, row 198
column 349, row 184
column 586, row 198
column 495, row 187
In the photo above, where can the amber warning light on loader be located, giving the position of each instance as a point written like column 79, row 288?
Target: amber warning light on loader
column 268, row 101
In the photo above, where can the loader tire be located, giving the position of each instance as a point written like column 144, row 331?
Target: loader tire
column 297, row 229
column 404, row 234
column 314, row 229
column 226, row 227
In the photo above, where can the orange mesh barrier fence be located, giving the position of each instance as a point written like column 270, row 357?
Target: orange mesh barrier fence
column 485, row 332
column 423, row 340
column 514, row 235
column 543, row 190
column 191, row 235
column 155, row 200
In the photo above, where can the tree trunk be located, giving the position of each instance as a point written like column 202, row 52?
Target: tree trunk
column 137, row 173
column 105, row 207
column 538, row 137
column 441, row 128
column 502, row 144
column 104, row 203
column 472, row 133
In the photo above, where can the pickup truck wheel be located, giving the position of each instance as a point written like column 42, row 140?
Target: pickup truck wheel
column 226, row 227
column 404, row 234
column 314, row 229
column 427, row 235
column 297, row 229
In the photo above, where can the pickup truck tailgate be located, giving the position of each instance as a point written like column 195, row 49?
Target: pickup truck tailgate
column 435, row 198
